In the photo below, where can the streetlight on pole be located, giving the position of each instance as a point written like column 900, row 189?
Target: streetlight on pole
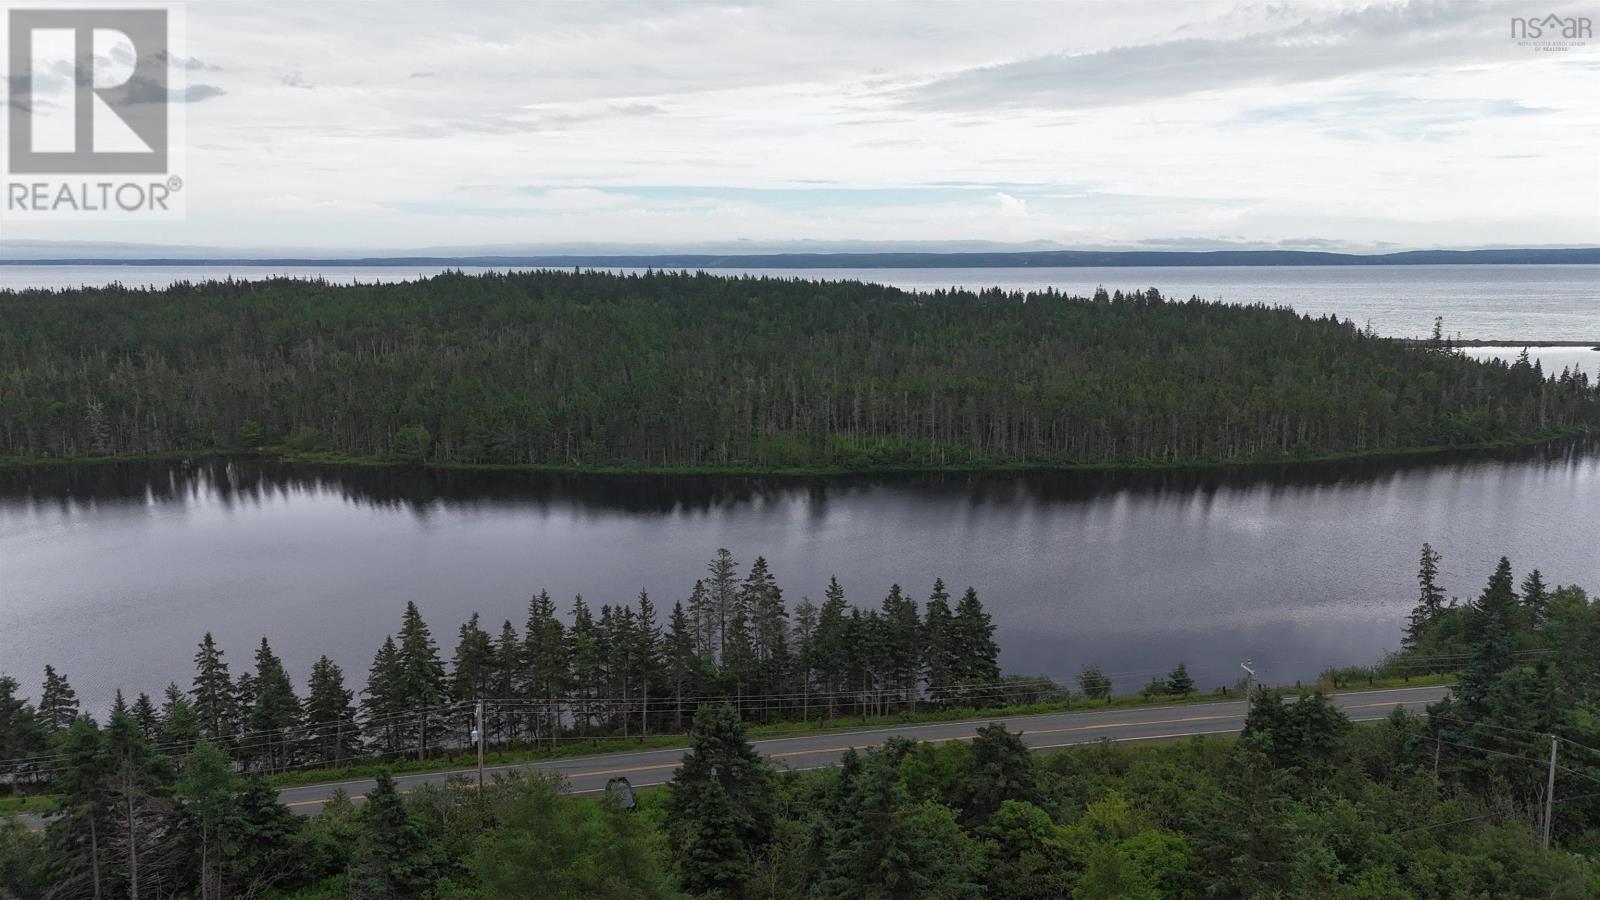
column 1249, row 674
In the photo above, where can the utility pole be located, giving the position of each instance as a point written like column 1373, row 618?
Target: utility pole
column 1549, row 796
column 477, row 733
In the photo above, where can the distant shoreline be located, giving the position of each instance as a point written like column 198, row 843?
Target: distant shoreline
column 1068, row 259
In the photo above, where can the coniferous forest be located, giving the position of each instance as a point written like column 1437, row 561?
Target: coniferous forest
column 174, row 800
column 676, row 370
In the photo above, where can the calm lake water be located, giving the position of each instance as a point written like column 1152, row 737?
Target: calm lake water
column 112, row 573
column 1512, row 303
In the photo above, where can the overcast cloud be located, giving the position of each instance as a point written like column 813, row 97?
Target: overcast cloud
column 1328, row 125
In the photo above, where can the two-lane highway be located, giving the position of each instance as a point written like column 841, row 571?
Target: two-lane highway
column 1040, row 732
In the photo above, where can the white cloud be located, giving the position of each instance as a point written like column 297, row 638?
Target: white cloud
column 1418, row 124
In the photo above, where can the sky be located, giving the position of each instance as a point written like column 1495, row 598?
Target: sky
column 1351, row 126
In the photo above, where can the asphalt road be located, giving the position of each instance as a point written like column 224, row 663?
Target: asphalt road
column 588, row 774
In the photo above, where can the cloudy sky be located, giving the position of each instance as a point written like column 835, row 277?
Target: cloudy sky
column 1342, row 125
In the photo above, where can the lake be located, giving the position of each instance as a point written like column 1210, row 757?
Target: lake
column 1511, row 303
column 112, row 573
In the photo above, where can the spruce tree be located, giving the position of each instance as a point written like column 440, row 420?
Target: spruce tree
column 393, row 857
column 902, row 646
column 977, row 654
column 1535, row 600
column 1492, row 632
column 213, row 694
column 58, row 703
column 136, row 798
column 422, row 680
column 546, row 659
column 505, row 681
column 704, row 621
column 833, row 649
column 738, row 671
column 645, row 658
column 878, row 844
column 769, row 628
column 274, row 714
column 583, row 649
column 722, row 597
column 384, row 701
column 804, row 640
column 682, row 661
column 334, row 735
column 939, row 643
column 720, row 804
column 1178, row 681
column 1002, row 769
column 1430, row 600
column 146, row 718
column 472, row 667
column 180, row 727
column 20, row 732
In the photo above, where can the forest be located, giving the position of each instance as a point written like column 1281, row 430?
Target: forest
column 672, row 370
column 613, row 672
column 1451, row 803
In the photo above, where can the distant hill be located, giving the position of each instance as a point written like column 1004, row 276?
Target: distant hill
column 1030, row 259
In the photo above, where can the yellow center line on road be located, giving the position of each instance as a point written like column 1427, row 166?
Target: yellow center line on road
column 1101, row 726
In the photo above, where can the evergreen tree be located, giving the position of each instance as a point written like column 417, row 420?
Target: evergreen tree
column 939, row 642
column 275, row 713
column 547, row 661
column 977, row 653
column 739, row 673
column 703, row 617
column 394, row 858
column 84, row 864
column 385, row 701
column 239, row 838
column 21, row 734
column 588, row 674
column 1002, row 769
column 1430, row 602
column 722, row 598
column 769, row 628
column 1178, row 681
column 720, row 804
column 682, row 661
column 1094, row 683
column 180, row 727
column 505, row 681
column 880, row 845
column 58, row 703
column 1535, row 600
column 472, row 667
column 213, row 694
column 421, row 677
column 136, row 799
column 334, row 735
column 804, row 640
column 1492, row 630
column 644, row 655
column 833, row 652
column 146, row 718
column 902, row 644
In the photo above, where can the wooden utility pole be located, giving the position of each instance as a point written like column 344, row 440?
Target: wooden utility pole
column 1549, row 796
column 479, row 733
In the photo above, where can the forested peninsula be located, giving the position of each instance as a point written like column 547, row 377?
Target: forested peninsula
column 672, row 370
